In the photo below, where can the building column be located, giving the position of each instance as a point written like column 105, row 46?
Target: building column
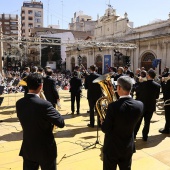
column 136, row 61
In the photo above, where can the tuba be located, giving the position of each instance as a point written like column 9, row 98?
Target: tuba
column 108, row 94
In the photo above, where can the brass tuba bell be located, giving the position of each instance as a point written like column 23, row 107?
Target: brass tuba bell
column 108, row 94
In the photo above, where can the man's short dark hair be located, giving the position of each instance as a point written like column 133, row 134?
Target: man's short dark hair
column 75, row 74
column 49, row 72
column 152, row 73
column 34, row 80
column 93, row 68
column 34, row 69
column 40, row 69
column 143, row 73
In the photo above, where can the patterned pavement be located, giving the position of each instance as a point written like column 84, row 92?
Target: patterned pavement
column 76, row 142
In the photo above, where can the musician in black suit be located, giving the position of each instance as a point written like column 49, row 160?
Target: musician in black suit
column 166, row 129
column 75, row 89
column 93, row 92
column 118, row 126
column 37, row 117
column 147, row 92
column 164, row 74
column 24, row 77
column 49, row 88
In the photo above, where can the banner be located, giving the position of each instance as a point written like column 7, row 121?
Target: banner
column 107, row 62
column 155, row 62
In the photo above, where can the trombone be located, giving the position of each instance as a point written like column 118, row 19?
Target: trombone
column 81, row 65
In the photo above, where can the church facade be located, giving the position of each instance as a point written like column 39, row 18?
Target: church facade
column 152, row 41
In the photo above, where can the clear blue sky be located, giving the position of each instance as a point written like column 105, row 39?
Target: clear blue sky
column 141, row 12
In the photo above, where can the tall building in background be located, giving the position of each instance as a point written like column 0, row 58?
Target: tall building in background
column 82, row 22
column 9, row 24
column 31, row 16
column 8, row 27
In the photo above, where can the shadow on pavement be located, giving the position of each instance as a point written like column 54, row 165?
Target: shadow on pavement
column 72, row 132
column 14, row 136
column 151, row 142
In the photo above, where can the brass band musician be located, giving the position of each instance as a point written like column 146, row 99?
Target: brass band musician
column 24, row 75
column 37, row 117
column 118, row 126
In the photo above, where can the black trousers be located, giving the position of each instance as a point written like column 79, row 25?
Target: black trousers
column 167, row 117
column 111, row 162
column 92, row 104
column 147, row 119
column 45, row 165
column 77, row 98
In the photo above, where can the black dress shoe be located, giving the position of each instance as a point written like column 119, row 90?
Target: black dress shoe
column 165, row 131
column 89, row 125
column 145, row 139
column 72, row 113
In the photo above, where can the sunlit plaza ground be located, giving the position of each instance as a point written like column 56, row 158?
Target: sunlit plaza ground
column 75, row 139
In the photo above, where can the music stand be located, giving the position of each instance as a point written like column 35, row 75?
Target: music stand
column 1, row 98
column 97, row 137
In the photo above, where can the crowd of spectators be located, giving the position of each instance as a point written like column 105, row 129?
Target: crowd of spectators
column 10, row 80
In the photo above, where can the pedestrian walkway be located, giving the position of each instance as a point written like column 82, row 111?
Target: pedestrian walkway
column 75, row 139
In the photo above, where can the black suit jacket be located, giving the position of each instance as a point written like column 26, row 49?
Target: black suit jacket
column 167, row 91
column 75, row 85
column 148, row 92
column 50, row 90
column 117, row 76
column 119, row 125
column 93, row 89
column 37, row 117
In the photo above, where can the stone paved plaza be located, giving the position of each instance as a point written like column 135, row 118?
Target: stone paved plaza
column 73, row 139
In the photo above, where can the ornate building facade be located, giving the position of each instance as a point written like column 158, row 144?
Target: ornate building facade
column 152, row 40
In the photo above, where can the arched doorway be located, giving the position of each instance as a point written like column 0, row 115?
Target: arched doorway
column 72, row 63
column 84, row 62
column 99, row 63
column 147, row 60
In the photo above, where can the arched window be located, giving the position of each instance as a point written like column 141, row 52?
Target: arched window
column 148, row 57
column 147, row 60
column 84, row 61
column 72, row 63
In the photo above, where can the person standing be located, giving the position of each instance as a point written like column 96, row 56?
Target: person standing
column 24, row 78
column 75, row 89
column 118, row 126
column 147, row 92
column 119, row 73
column 166, row 129
column 50, row 89
column 94, row 92
column 37, row 117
